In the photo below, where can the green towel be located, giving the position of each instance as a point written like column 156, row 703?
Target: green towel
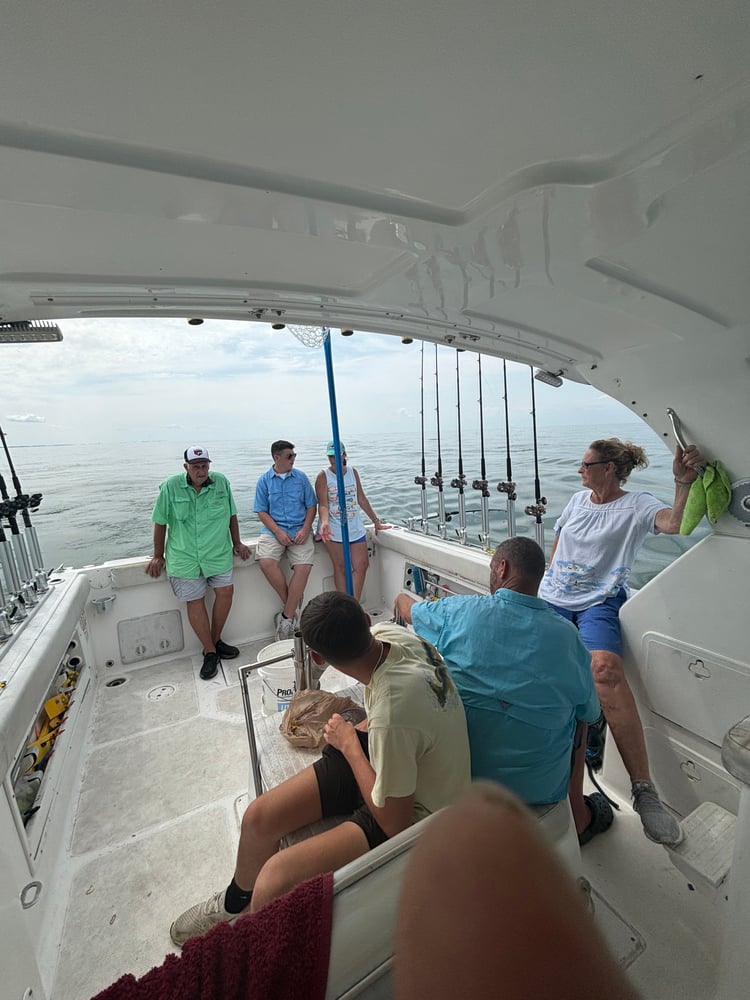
column 710, row 495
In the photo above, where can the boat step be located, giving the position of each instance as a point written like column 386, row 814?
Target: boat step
column 705, row 854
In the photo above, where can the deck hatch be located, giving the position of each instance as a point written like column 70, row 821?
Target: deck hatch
column 143, row 638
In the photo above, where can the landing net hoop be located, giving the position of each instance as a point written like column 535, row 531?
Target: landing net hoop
column 310, row 336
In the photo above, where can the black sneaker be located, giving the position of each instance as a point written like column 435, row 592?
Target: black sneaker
column 210, row 666
column 595, row 743
column 225, row 651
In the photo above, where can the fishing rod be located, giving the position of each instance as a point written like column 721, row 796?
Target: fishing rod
column 460, row 481
column 16, row 563
column 24, row 503
column 481, row 484
column 422, row 480
column 437, row 479
column 538, row 508
column 508, row 487
column 16, row 605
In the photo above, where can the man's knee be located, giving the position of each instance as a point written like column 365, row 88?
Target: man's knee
column 606, row 668
column 269, row 567
column 260, row 819
column 274, row 879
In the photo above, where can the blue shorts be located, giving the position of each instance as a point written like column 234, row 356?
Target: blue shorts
column 599, row 626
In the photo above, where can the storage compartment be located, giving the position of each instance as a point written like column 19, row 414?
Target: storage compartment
column 700, row 691
column 430, row 585
column 686, row 777
column 34, row 780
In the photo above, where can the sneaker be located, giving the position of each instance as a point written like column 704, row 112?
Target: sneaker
column 285, row 628
column 210, row 666
column 225, row 651
column 658, row 824
column 201, row 918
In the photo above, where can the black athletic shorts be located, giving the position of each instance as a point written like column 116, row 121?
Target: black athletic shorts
column 340, row 794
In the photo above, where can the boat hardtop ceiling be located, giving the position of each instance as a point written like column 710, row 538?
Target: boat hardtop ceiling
column 563, row 183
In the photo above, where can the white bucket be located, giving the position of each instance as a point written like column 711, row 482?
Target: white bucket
column 277, row 679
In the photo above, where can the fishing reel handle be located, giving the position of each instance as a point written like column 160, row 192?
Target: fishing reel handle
column 481, row 484
column 510, row 489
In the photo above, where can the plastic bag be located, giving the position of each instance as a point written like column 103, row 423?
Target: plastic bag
column 304, row 721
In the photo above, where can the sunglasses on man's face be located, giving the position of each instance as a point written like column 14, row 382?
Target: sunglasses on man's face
column 602, row 461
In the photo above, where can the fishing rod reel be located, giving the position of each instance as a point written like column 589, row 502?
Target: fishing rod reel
column 509, row 489
column 483, row 486
column 422, row 482
column 459, row 483
column 536, row 509
column 437, row 480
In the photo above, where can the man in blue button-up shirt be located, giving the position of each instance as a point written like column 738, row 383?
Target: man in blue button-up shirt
column 286, row 505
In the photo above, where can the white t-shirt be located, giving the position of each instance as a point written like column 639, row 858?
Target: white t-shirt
column 596, row 546
column 417, row 738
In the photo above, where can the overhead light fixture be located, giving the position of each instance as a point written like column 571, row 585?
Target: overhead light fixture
column 195, row 321
column 29, row 332
column 407, row 340
column 278, row 326
column 549, row 378
column 347, row 333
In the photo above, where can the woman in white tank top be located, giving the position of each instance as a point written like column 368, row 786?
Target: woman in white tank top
column 329, row 528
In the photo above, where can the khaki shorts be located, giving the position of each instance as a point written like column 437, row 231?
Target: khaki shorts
column 192, row 590
column 269, row 547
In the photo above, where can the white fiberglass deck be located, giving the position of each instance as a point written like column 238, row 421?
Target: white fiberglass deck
column 156, row 827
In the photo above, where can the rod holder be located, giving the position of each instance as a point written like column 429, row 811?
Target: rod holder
column 6, row 629
column 302, row 663
column 102, row 603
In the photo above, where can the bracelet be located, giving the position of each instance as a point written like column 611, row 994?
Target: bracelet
column 681, row 482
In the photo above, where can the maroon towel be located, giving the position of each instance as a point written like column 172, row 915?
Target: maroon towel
column 280, row 952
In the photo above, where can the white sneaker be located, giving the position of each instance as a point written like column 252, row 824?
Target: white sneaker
column 285, row 628
column 201, row 918
column 659, row 825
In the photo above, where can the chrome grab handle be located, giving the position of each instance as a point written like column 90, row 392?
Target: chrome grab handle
column 680, row 437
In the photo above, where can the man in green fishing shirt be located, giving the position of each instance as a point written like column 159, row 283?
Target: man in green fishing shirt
column 196, row 535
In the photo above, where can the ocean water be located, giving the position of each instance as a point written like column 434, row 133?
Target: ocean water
column 98, row 498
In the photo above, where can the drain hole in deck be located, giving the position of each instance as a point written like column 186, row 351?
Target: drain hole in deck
column 116, row 682
column 159, row 693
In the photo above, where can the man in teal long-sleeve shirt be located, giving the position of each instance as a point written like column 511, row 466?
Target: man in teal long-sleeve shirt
column 196, row 535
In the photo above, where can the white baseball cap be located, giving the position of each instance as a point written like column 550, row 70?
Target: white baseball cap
column 197, row 455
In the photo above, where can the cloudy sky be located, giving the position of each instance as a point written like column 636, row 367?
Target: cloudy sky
column 131, row 380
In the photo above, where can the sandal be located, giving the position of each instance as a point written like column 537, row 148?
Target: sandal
column 602, row 817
